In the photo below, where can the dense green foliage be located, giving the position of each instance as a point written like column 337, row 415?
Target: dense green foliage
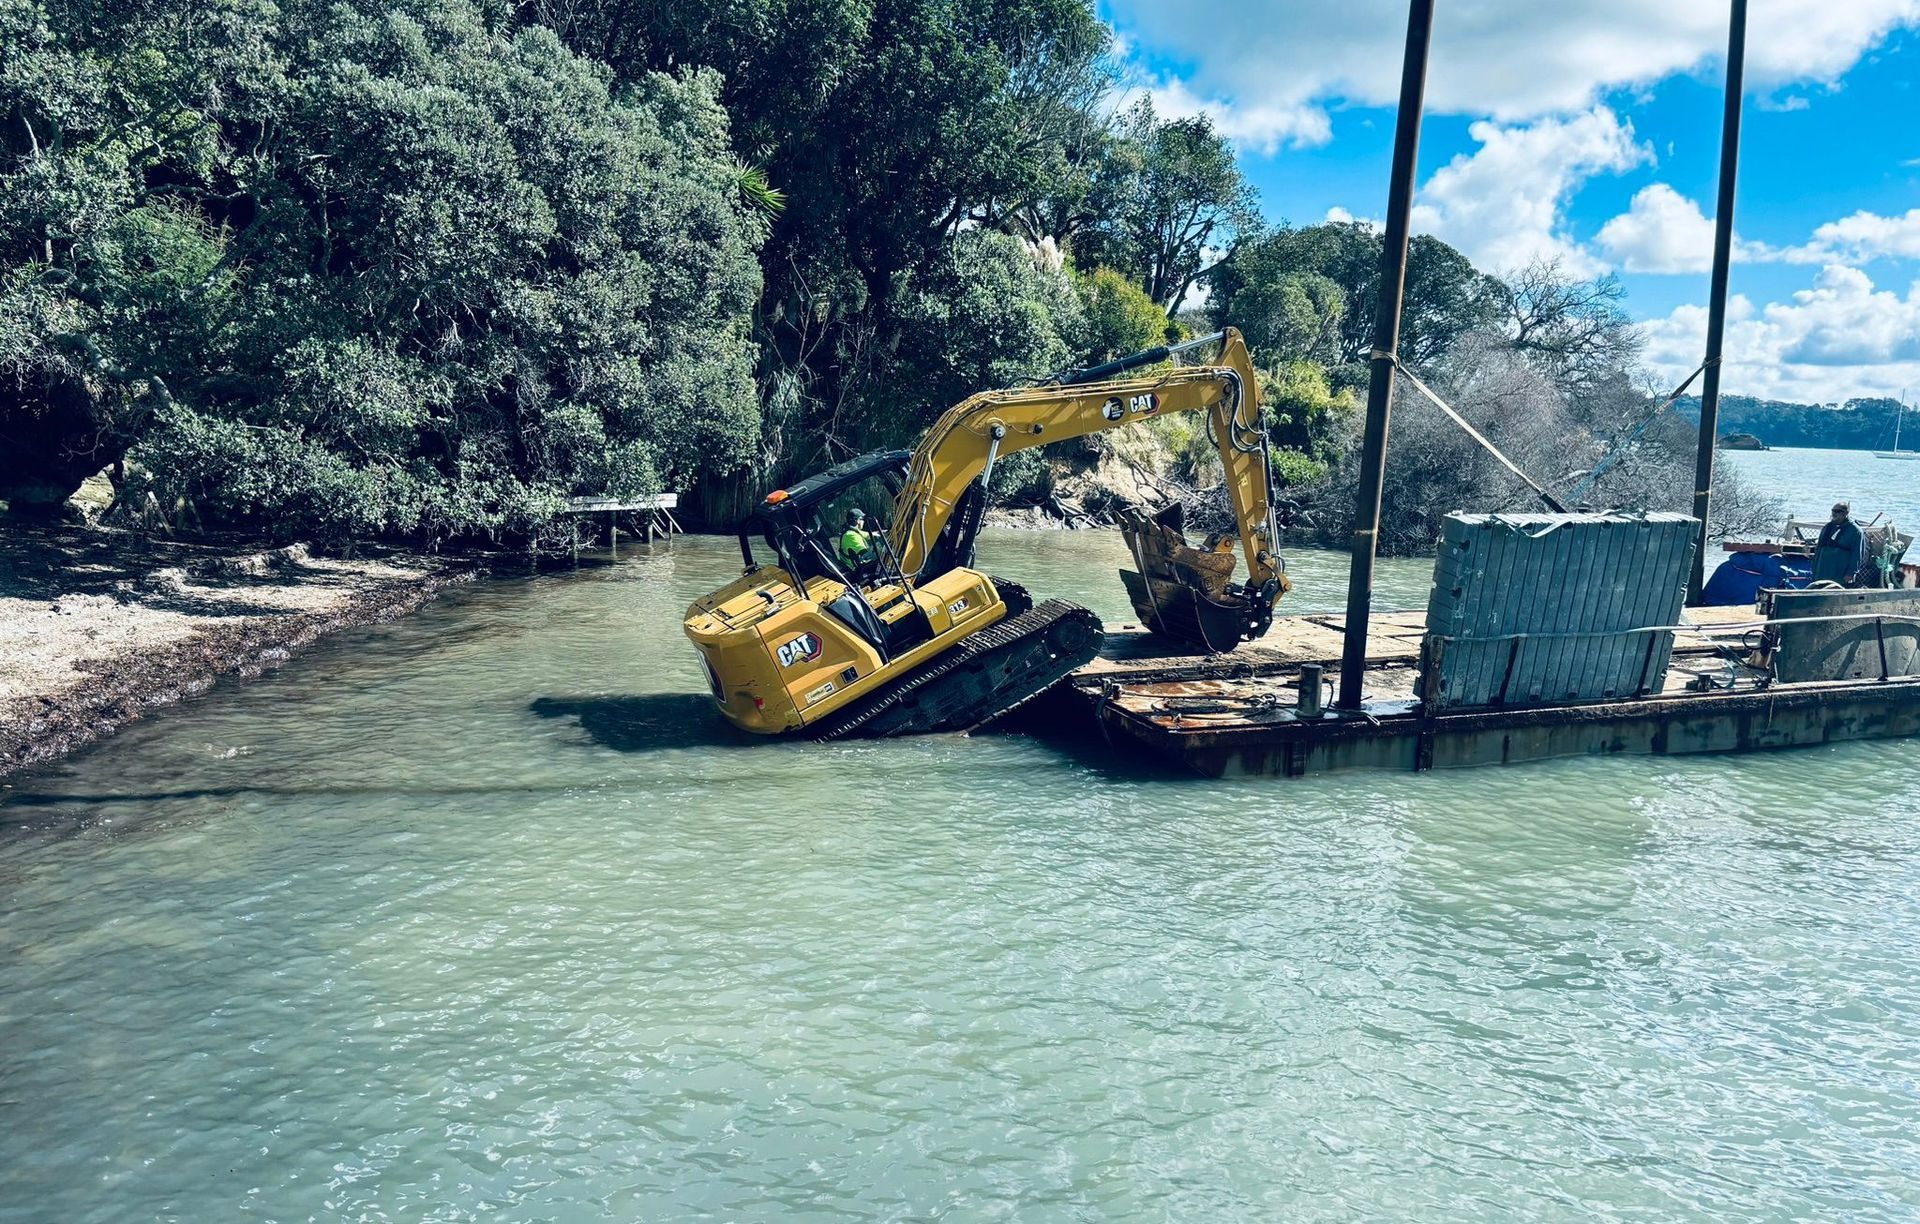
column 1302, row 408
column 424, row 270
column 391, row 271
column 891, row 126
column 411, row 281
column 1313, row 290
column 989, row 314
column 1121, row 318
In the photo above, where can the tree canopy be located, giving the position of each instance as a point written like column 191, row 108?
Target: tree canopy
column 1446, row 296
column 1170, row 192
column 1121, row 318
column 423, row 270
column 379, row 270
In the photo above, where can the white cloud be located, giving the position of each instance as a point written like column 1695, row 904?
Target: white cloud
column 1664, row 231
column 1838, row 339
column 1512, row 59
column 1862, row 237
column 1843, row 320
column 1661, row 231
column 1259, row 125
column 1340, row 216
column 1500, row 205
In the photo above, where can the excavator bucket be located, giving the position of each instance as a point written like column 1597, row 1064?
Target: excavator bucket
column 1182, row 592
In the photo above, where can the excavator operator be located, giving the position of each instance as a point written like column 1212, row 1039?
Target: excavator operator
column 856, row 546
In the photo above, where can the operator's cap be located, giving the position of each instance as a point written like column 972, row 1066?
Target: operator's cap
column 856, row 515
column 1842, row 508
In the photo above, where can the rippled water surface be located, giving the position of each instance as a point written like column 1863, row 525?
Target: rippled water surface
column 482, row 912
column 1810, row 481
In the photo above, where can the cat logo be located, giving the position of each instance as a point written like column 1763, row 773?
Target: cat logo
column 1145, row 404
column 803, row 649
column 1113, row 409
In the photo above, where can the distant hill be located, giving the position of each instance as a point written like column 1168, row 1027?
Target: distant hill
column 1859, row 424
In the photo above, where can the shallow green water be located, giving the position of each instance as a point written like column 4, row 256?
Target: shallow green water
column 482, row 911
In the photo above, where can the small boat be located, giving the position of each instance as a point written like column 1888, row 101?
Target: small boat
column 1785, row 562
column 1896, row 452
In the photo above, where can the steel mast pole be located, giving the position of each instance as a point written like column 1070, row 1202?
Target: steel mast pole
column 1717, row 295
column 1386, row 342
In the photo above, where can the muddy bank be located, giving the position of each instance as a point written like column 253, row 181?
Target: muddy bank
column 98, row 627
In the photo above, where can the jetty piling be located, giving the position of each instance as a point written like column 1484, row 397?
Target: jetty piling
column 658, row 521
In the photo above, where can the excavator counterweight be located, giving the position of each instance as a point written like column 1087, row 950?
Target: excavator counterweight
column 907, row 636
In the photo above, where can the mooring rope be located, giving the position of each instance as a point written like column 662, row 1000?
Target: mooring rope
column 1553, row 503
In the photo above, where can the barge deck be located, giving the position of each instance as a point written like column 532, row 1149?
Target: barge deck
column 1240, row 713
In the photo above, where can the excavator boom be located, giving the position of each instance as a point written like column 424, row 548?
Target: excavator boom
column 937, row 514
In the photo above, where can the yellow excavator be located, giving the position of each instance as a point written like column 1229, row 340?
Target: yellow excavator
column 913, row 638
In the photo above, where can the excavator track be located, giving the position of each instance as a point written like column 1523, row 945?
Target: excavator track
column 985, row 675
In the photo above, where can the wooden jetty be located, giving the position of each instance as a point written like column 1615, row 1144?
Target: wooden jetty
column 656, row 515
column 1241, row 714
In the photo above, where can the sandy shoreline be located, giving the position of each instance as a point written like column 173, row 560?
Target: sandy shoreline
column 97, row 627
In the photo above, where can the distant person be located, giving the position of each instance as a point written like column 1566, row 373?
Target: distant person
column 856, row 546
column 1842, row 549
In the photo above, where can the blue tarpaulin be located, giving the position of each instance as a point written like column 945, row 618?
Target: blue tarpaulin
column 1742, row 576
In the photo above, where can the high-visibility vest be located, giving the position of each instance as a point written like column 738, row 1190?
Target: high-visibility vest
column 855, row 544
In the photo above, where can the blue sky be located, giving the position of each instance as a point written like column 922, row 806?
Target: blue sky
column 1588, row 131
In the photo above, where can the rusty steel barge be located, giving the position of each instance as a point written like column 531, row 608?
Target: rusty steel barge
column 1259, row 712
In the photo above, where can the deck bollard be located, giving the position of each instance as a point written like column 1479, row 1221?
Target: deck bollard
column 1311, row 687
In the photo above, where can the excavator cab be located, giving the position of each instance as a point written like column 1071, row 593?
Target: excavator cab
column 799, row 643
column 791, row 525
column 794, row 526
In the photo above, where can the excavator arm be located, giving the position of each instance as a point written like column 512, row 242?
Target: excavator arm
column 937, row 511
